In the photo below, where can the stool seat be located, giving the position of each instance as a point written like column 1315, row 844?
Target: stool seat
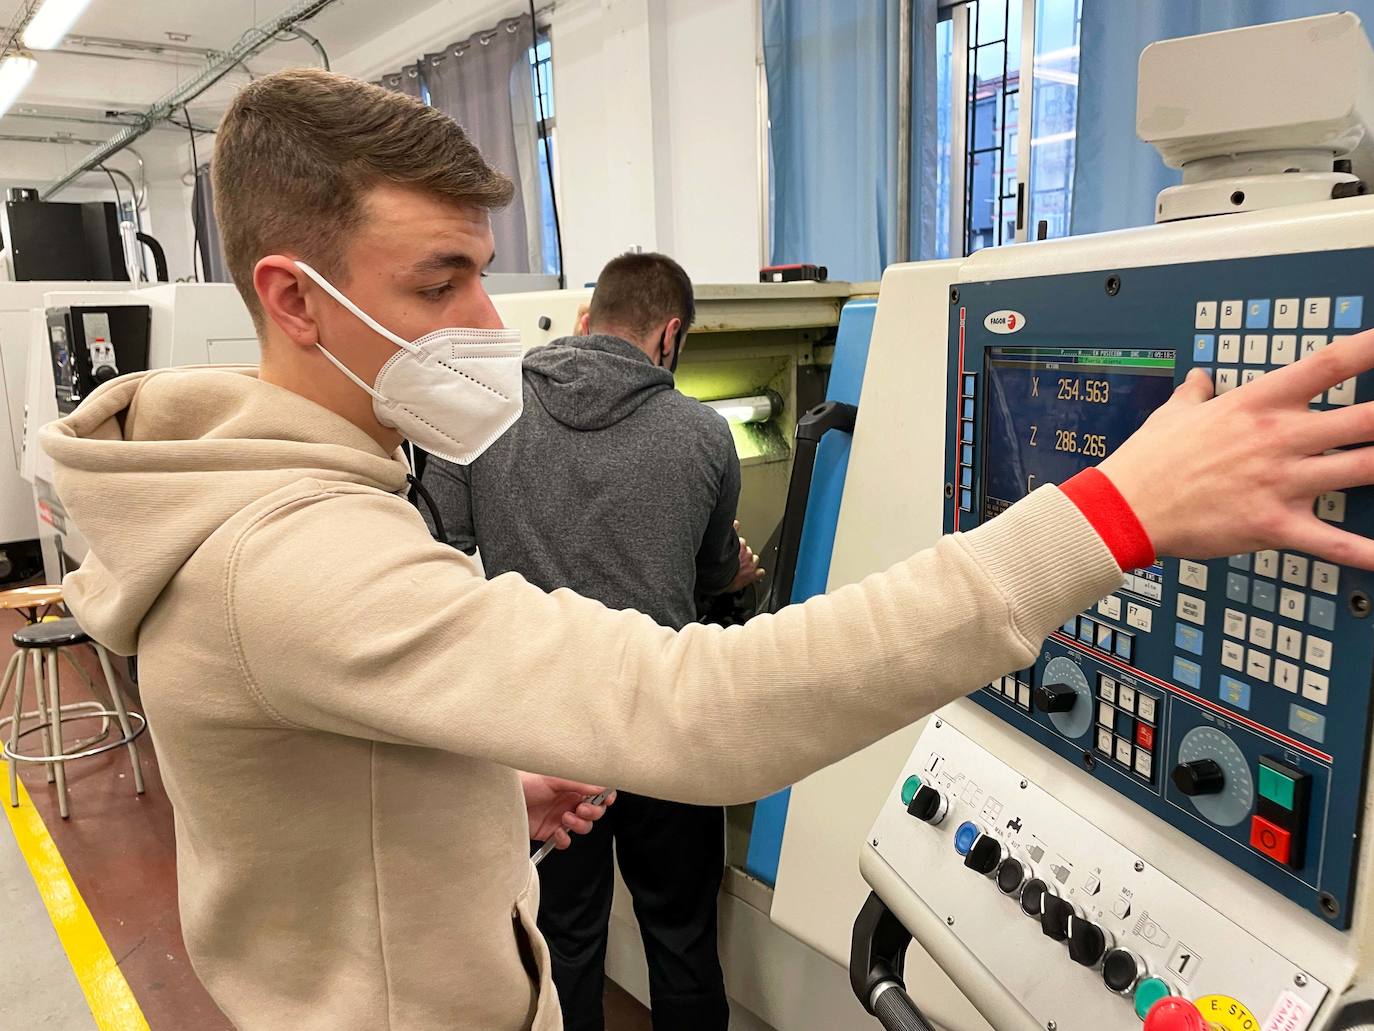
column 56, row 633
column 30, row 597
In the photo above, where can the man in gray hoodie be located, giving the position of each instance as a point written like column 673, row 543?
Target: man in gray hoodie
column 616, row 485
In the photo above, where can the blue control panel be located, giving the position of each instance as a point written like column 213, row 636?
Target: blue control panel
column 1230, row 698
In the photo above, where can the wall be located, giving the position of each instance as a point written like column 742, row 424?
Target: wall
column 657, row 124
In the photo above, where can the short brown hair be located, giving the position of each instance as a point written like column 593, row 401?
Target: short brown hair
column 635, row 292
column 297, row 151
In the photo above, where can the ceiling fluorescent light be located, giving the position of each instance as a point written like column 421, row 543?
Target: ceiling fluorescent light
column 15, row 73
column 53, row 20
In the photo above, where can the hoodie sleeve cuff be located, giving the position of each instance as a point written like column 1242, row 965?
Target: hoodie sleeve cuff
column 1112, row 517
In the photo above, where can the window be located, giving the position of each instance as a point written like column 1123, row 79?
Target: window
column 981, row 93
column 541, row 69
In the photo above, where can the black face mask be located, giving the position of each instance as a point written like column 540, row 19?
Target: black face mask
column 677, row 353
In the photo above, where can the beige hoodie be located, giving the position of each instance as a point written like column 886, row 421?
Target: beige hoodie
column 339, row 703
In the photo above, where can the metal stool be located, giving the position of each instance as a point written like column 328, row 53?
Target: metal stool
column 46, row 640
column 37, row 604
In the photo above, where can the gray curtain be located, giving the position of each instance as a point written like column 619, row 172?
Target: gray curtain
column 406, row 81
column 213, row 268
column 484, row 83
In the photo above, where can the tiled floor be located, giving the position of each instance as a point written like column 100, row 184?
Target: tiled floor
column 121, row 853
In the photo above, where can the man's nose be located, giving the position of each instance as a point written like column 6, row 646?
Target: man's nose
column 486, row 315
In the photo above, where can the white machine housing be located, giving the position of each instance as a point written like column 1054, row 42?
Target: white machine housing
column 191, row 324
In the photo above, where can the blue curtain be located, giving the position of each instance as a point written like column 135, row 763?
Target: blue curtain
column 1117, row 176
column 832, row 106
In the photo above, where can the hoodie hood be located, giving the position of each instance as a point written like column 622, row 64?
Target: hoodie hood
column 152, row 464
column 592, row 382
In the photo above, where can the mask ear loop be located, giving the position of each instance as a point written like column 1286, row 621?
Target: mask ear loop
column 362, row 316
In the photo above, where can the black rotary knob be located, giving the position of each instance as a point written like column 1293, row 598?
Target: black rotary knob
column 985, row 854
column 1055, row 697
column 928, row 805
column 1087, row 942
column 1121, row 969
column 1011, row 875
column 1033, row 897
column 1199, row 777
column 1055, row 914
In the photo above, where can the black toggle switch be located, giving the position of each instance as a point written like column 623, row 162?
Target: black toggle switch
column 928, row 805
column 1055, row 697
column 1087, row 942
column 984, row 856
column 1054, row 918
column 1199, row 777
column 1033, row 897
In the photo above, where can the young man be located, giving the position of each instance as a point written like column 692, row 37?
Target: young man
column 617, row 486
column 340, row 703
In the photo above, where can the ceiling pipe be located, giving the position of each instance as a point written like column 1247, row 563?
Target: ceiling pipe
column 252, row 41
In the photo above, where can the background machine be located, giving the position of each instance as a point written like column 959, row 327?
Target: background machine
column 1171, row 802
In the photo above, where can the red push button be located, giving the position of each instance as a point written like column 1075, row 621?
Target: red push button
column 1175, row 1014
column 1145, row 736
column 1271, row 839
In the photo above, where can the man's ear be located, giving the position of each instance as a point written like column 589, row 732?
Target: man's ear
column 670, row 335
column 584, row 319
column 281, row 290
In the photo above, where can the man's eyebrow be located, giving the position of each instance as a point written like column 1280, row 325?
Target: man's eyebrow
column 445, row 261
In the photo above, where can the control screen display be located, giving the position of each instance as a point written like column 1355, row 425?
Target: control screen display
column 1054, row 411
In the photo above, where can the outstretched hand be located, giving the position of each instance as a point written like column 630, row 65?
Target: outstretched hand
column 559, row 808
column 749, row 571
column 1222, row 475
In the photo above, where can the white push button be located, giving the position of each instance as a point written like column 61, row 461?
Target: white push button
column 1267, row 564
column 1311, row 345
column 1110, row 607
column 1232, row 312
column 1125, row 697
column 1315, row 687
column 1235, row 624
column 1228, row 348
column 1256, row 349
column 1290, row 643
column 1139, row 617
column 1106, row 715
column 1325, row 577
column 1318, row 653
column 1295, row 570
column 1257, row 665
column 1342, row 393
column 1192, row 574
column 1194, row 610
column 1286, row 312
column 1145, row 708
column 1206, row 315
column 1331, row 507
column 1286, row 676
column 1285, row 349
column 1316, row 313
column 1232, row 655
column 1249, row 376
column 1227, row 379
column 1261, row 633
column 1292, row 604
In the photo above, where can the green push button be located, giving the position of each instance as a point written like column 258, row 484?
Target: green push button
column 909, row 789
column 1147, row 993
column 1274, row 786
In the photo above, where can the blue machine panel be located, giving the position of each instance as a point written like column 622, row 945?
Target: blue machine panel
column 1230, row 698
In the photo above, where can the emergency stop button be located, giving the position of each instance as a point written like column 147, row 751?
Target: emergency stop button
column 1175, row 1014
column 1271, row 839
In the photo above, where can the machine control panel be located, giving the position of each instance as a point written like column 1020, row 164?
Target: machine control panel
column 1230, row 698
column 92, row 345
column 1083, row 932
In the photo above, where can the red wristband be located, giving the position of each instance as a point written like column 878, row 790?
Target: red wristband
column 1113, row 519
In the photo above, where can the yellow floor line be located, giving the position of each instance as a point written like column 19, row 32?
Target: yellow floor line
column 111, row 1000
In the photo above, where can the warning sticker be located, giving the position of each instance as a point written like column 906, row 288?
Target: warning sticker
column 1290, row 1014
column 1226, row 1013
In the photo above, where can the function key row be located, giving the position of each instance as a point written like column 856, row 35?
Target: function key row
column 1281, row 313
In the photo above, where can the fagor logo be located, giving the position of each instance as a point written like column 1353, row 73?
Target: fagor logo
column 1004, row 322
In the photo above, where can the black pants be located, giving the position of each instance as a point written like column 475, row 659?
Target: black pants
column 672, row 857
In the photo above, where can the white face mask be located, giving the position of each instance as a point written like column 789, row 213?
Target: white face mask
column 452, row 391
